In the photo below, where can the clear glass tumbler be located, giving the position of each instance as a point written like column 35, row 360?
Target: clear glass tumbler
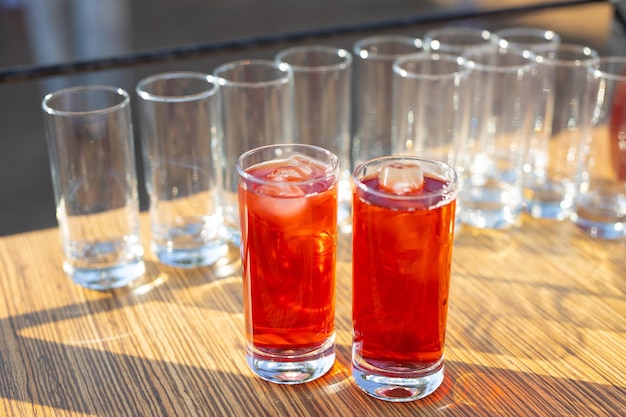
column 600, row 204
column 288, row 212
column 558, row 130
column 403, row 230
column 181, row 138
column 322, row 80
column 503, row 87
column 92, row 160
column 430, row 113
column 257, row 110
column 372, row 93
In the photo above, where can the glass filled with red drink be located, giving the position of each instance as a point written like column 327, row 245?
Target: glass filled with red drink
column 288, row 219
column 403, row 228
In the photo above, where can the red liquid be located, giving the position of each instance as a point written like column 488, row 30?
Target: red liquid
column 401, row 276
column 288, row 260
column 618, row 131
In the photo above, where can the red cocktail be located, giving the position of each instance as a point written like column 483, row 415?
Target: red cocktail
column 288, row 216
column 403, row 227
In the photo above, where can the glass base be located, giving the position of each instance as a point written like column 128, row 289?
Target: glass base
column 555, row 210
column 549, row 198
column 398, row 389
column 192, row 257
column 602, row 230
column 601, row 213
column 493, row 205
column 489, row 219
column 289, row 368
column 103, row 279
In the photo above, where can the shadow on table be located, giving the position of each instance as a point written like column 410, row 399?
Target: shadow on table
column 83, row 379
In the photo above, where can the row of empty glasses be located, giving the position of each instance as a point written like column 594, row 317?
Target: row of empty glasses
column 527, row 121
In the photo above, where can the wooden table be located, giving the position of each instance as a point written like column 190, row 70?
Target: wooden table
column 537, row 326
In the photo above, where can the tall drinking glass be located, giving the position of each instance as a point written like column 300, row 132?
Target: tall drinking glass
column 403, row 227
column 503, row 87
column 558, row 129
column 600, row 205
column 288, row 211
column 92, row 160
column 181, row 141
column 322, row 79
column 374, row 57
column 257, row 110
column 430, row 112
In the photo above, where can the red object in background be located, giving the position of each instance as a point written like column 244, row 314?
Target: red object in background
column 618, row 131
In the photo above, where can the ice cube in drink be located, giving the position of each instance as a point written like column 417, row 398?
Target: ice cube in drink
column 401, row 178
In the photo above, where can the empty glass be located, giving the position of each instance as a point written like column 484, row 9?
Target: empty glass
column 430, row 111
column 503, row 87
column 92, row 159
column 558, row 129
column 322, row 80
column 374, row 57
column 256, row 110
column 181, row 138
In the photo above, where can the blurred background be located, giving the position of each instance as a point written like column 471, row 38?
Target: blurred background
column 46, row 45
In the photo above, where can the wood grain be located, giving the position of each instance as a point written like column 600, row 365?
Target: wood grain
column 537, row 326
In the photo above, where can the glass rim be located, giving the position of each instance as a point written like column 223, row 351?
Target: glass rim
column 537, row 33
column 484, row 37
column 330, row 50
column 528, row 59
column 285, row 70
column 331, row 170
column 115, row 91
column 595, row 68
column 177, row 75
column 462, row 70
column 362, row 45
column 455, row 30
column 450, row 188
column 584, row 53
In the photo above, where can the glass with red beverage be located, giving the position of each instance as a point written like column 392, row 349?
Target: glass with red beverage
column 403, row 227
column 288, row 219
column 600, row 202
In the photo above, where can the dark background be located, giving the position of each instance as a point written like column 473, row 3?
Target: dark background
column 50, row 44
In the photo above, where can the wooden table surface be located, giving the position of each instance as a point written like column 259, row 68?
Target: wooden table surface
column 537, row 326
